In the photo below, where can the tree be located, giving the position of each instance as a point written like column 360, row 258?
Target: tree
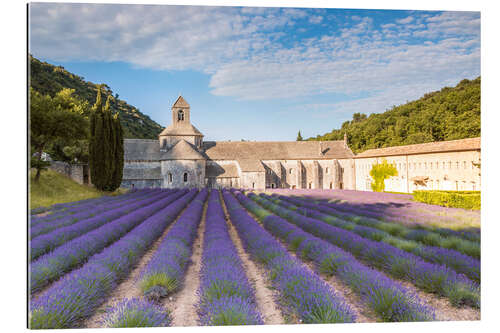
column 54, row 118
column 379, row 173
column 105, row 146
column 299, row 137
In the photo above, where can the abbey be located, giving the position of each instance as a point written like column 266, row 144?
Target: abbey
column 181, row 158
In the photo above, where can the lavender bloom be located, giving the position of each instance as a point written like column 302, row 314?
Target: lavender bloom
column 83, row 212
column 226, row 296
column 47, row 242
column 455, row 260
column 136, row 313
column 78, row 294
column 302, row 292
column 66, row 257
column 430, row 277
column 167, row 267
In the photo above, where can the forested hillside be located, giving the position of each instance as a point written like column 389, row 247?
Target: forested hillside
column 448, row 114
column 49, row 79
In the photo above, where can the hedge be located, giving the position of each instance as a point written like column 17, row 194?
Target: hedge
column 456, row 199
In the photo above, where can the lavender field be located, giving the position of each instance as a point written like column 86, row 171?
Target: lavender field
column 234, row 257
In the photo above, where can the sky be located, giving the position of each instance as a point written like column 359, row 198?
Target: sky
column 259, row 73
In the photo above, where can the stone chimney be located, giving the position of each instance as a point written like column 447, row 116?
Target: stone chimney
column 345, row 139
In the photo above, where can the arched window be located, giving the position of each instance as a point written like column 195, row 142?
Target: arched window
column 180, row 115
column 185, row 177
column 291, row 171
column 169, row 177
column 272, row 185
column 310, row 185
column 331, row 185
column 253, row 185
column 326, row 170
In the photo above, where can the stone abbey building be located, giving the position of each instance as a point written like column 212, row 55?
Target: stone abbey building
column 180, row 158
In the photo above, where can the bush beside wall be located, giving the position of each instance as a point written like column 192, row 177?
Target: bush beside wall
column 456, row 199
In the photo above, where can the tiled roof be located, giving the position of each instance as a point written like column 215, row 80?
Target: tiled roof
column 184, row 129
column 250, row 165
column 221, row 170
column 182, row 150
column 180, row 103
column 140, row 149
column 422, row 148
column 276, row 150
column 142, row 173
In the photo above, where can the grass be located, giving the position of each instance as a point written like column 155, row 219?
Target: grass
column 54, row 187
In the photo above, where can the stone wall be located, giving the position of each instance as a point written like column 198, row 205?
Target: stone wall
column 78, row 172
column 183, row 173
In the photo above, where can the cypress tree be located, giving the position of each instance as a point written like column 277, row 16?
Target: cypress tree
column 118, row 174
column 108, row 144
column 105, row 146
column 95, row 132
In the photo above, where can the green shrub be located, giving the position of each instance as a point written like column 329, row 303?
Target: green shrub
column 456, row 199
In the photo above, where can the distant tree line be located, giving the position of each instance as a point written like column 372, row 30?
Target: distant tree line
column 448, row 114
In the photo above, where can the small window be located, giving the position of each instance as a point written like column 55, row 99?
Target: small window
column 449, row 165
column 326, row 170
column 458, row 165
column 272, row 185
column 331, row 185
column 253, row 185
column 291, row 170
column 169, row 177
column 185, row 177
column 180, row 115
column 310, row 185
column 465, row 164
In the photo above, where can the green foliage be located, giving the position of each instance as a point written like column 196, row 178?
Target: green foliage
column 55, row 119
column 381, row 172
column 105, row 147
column 299, row 137
column 457, row 199
column 49, row 79
column 448, row 114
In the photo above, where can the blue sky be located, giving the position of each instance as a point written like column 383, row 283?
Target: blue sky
column 259, row 73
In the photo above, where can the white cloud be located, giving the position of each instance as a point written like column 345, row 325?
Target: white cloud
column 242, row 49
column 406, row 20
column 315, row 19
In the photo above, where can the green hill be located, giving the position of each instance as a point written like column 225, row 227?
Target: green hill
column 447, row 114
column 49, row 79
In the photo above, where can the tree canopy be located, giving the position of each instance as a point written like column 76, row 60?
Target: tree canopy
column 55, row 119
column 379, row 173
column 448, row 114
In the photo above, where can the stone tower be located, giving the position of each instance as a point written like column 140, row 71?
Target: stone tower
column 181, row 127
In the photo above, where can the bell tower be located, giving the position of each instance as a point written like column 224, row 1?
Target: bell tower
column 181, row 112
column 181, row 128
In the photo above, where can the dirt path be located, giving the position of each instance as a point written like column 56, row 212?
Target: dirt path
column 128, row 288
column 444, row 310
column 363, row 313
column 182, row 304
column 257, row 276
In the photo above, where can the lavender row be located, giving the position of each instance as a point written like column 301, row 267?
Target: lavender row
column 389, row 299
column 70, row 255
column 302, row 293
column 71, row 210
column 226, row 296
column 76, row 297
column 136, row 312
column 428, row 276
column 451, row 258
column 48, row 242
column 165, row 271
column 86, row 212
column 435, row 237
column 399, row 216
column 446, row 238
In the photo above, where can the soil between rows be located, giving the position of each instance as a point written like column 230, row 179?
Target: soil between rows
column 128, row 288
column 182, row 304
column 264, row 296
